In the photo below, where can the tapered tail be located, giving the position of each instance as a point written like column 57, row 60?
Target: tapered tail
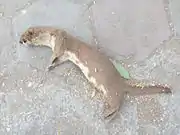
column 139, row 88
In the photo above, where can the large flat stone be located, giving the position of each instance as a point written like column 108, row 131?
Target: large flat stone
column 68, row 15
column 7, row 47
column 130, row 28
column 10, row 8
column 61, row 14
column 174, row 6
column 5, row 33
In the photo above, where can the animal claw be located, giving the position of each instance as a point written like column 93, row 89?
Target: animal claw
column 50, row 67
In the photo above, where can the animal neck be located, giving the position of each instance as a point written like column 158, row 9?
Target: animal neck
column 72, row 45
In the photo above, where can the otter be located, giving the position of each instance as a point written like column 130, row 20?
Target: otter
column 95, row 65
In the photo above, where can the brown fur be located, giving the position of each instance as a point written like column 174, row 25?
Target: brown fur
column 99, row 65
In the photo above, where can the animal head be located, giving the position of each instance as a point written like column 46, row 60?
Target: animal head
column 45, row 36
column 36, row 36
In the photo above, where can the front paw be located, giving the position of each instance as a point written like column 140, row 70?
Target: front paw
column 49, row 68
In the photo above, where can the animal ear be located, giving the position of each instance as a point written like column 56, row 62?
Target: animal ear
column 64, row 34
column 30, row 31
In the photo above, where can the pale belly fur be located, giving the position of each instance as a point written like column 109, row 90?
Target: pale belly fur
column 73, row 58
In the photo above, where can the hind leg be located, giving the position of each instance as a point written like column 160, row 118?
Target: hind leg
column 110, row 112
column 112, row 105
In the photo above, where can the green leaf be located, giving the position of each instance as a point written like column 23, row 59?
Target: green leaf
column 123, row 72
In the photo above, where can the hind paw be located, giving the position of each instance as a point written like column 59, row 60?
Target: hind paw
column 109, row 113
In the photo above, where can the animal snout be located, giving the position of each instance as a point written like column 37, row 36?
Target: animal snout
column 22, row 41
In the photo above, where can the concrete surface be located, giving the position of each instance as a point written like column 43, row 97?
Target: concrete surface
column 143, row 34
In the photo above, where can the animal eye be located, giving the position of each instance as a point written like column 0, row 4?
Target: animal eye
column 24, row 41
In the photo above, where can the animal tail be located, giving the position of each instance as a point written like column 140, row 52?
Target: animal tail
column 134, row 87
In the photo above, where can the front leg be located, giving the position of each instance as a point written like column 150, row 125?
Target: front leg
column 55, row 61
column 52, row 66
column 52, row 63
